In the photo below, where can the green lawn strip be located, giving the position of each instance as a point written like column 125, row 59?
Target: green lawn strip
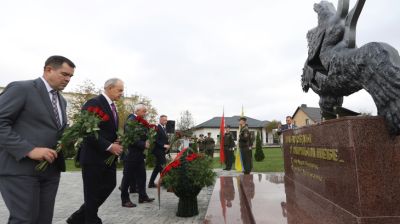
column 273, row 162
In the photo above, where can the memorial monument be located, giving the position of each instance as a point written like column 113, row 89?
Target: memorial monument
column 346, row 170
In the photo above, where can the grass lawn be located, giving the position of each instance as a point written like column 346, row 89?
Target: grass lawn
column 273, row 162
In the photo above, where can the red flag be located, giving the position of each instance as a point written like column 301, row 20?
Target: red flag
column 222, row 139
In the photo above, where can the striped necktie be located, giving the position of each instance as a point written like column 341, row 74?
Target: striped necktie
column 54, row 101
column 114, row 110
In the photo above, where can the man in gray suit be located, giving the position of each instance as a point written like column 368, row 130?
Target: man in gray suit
column 32, row 118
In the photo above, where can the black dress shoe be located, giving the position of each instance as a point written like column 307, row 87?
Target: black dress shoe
column 152, row 186
column 74, row 220
column 145, row 200
column 128, row 204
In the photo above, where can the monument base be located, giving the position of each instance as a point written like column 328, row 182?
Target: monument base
column 304, row 206
column 342, row 171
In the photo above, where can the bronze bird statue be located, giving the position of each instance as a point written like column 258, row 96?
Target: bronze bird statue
column 336, row 67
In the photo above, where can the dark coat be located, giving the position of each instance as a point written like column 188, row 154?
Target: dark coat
column 228, row 141
column 94, row 151
column 244, row 137
column 161, row 140
column 136, row 150
column 27, row 121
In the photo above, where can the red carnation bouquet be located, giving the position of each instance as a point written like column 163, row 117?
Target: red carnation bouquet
column 187, row 171
column 85, row 124
column 134, row 130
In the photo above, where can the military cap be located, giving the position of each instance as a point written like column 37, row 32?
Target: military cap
column 242, row 118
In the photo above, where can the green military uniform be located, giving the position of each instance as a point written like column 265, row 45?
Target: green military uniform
column 229, row 143
column 210, row 144
column 244, row 145
column 202, row 144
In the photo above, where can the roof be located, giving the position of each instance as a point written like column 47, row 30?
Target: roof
column 314, row 113
column 232, row 121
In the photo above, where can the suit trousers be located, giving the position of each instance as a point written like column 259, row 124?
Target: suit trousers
column 128, row 178
column 137, row 170
column 160, row 162
column 98, row 183
column 30, row 199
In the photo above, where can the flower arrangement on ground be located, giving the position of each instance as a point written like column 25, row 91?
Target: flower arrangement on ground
column 85, row 123
column 186, row 175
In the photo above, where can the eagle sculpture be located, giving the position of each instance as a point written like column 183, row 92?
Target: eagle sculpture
column 335, row 67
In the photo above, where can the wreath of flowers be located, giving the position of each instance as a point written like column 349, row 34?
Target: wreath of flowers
column 188, row 170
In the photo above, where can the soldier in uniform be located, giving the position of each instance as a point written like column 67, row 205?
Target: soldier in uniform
column 229, row 143
column 201, row 143
column 245, row 146
column 210, row 144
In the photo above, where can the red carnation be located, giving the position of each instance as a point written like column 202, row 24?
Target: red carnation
column 143, row 121
column 153, row 126
column 191, row 157
column 105, row 117
column 166, row 170
column 90, row 109
column 176, row 163
column 96, row 110
column 101, row 113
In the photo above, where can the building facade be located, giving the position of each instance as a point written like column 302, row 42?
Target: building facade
column 304, row 115
column 213, row 126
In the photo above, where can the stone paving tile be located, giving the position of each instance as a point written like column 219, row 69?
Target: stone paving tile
column 70, row 197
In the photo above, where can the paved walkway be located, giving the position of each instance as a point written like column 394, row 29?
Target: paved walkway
column 70, row 197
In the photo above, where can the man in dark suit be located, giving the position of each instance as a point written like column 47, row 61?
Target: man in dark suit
column 32, row 118
column 289, row 125
column 134, row 164
column 99, row 179
column 161, row 147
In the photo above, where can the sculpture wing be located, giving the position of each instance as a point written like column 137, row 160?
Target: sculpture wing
column 315, row 38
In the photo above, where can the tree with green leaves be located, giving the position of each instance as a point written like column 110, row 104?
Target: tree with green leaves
column 259, row 155
column 88, row 90
column 81, row 94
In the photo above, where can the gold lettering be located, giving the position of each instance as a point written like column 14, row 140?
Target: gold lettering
column 318, row 153
column 298, row 139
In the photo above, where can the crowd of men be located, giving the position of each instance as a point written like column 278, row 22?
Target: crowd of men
column 32, row 120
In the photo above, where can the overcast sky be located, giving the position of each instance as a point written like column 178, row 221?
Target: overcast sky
column 191, row 55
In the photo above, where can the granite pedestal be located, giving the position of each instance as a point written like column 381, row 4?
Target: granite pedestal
column 342, row 171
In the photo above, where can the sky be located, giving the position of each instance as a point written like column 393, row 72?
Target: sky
column 200, row 56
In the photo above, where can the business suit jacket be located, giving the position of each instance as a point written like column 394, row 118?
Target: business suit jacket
column 285, row 127
column 27, row 121
column 161, row 140
column 93, row 151
column 136, row 150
